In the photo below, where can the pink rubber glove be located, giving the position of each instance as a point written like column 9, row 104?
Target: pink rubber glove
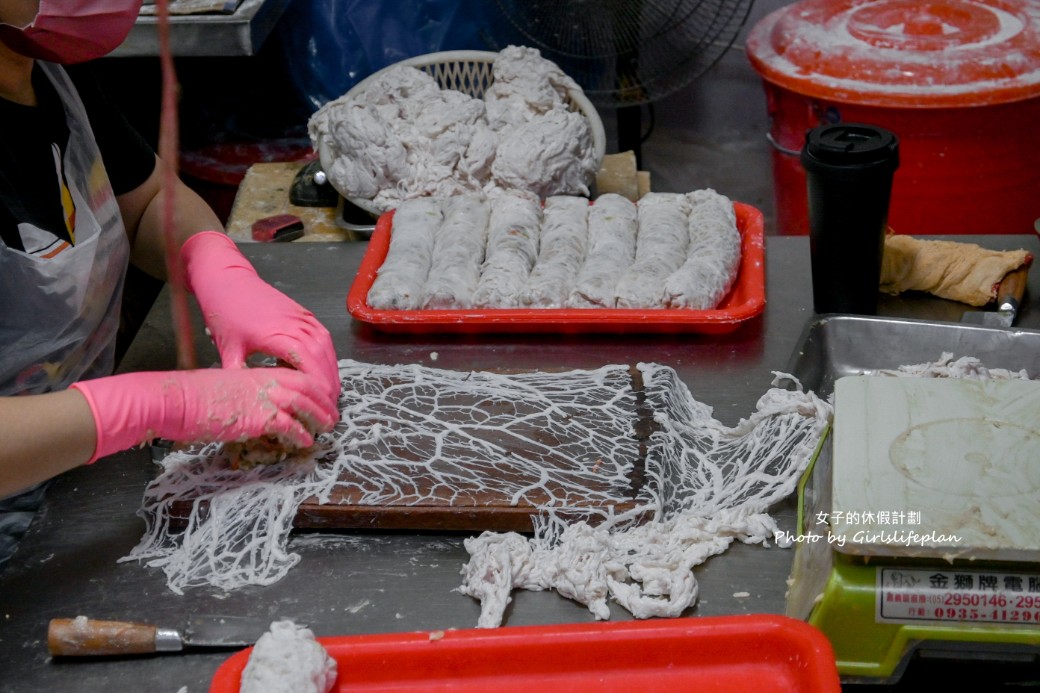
column 246, row 315
column 207, row 405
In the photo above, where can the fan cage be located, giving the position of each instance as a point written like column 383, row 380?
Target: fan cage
column 624, row 52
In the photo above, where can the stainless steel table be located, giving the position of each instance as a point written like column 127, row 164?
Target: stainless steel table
column 361, row 582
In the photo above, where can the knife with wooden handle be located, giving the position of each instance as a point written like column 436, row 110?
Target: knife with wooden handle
column 86, row 637
column 1012, row 288
column 1009, row 297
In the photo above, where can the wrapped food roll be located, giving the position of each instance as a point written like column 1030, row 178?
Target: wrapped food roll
column 613, row 224
column 713, row 257
column 458, row 252
column 512, row 247
column 954, row 270
column 661, row 247
column 565, row 233
column 400, row 281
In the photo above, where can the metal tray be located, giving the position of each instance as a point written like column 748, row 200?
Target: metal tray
column 841, row 597
column 832, row 346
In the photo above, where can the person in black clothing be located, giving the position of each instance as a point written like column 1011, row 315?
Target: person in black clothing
column 81, row 199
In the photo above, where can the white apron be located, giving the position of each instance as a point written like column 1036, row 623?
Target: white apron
column 60, row 314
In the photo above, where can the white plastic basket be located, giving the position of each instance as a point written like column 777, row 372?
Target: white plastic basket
column 469, row 72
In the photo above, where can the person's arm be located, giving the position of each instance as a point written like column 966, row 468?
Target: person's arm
column 244, row 314
column 44, row 435
column 142, row 211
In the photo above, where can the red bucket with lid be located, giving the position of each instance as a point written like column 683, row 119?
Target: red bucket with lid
column 958, row 81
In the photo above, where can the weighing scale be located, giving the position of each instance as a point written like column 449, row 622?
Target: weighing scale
column 919, row 524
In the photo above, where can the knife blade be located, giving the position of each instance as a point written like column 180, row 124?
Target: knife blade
column 1009, row 298
column 86, row 637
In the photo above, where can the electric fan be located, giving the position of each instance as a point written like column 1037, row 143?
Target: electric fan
column 624, row 53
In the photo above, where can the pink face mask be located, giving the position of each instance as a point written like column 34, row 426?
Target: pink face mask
column 73, row 31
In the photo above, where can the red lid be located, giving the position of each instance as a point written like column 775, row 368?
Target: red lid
column 902, row 52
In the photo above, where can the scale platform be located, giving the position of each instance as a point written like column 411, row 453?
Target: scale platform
column 919, row 524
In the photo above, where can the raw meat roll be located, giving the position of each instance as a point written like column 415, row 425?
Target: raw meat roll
column 661, row 246
column 400, row 282
column 565, row 233
column 458, row 252
column 613, row 224
column 713, row 258
column 512, row 248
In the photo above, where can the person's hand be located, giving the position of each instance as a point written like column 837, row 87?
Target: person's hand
column 246, row 315
column 207, row 405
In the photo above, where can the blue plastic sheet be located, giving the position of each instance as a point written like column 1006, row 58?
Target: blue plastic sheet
column 331, row 45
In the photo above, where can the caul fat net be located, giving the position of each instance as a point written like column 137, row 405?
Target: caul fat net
column 633, row 481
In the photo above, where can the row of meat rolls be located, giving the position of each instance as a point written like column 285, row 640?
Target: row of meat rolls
column 670, row 250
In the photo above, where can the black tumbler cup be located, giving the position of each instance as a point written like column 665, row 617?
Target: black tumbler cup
column 849, row 169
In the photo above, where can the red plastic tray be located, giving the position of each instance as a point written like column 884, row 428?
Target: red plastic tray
column 745, row 300
column 760, row 653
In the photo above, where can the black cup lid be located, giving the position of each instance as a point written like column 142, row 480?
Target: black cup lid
column 851, row 144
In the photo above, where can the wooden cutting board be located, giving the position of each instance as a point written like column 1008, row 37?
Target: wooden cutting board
column 421, row 473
